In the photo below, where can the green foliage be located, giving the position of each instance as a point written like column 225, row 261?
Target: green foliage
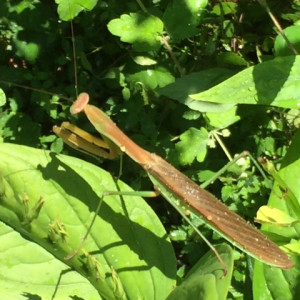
column 280, row 46
column 192, row 145
column 182, row 17
column 27, row 262
column 269, row 83
column 205, row 280
column 50, row 200
column 287, row 235
column 140, row 30
column 69, row 9
column 189, row 80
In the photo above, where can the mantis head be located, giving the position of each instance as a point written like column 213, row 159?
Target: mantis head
column 80, row 103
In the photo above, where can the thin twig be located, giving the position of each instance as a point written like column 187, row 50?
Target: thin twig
column 166, row 43
column 264, row 4
column 74, row 59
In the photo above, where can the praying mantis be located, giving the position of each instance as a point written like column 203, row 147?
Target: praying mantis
column 182, row 193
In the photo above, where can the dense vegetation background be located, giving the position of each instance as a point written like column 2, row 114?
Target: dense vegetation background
column 141, row 61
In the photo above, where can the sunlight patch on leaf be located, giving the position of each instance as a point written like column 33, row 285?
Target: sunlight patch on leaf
column 69, row 9
column 274, row 82
column 141, row 30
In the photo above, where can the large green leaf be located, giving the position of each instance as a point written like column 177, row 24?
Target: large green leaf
column 275, row 82
column 265, row 280
column 293, row 34
column 130, row 254
column 182, row 18
column 195, row 83
column 205, row 280
column 28, row 269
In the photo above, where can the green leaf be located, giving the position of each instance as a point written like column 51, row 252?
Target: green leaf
column 144, row 61
column 194, row 83
column 20, row 129
column 182, row 17
column 205, row 280
column 28, row 51
column 151, row 78
column 50, row 199
column 231, row 59
column 274, row 82
column 265, row 281
column 2, row 98
column 69, row 9
column 38, row 270
column 293, row 246
column 192, row 145
column 225, row 8
column 267, row 146
column 267, row 214
column 57, row 146
column 178, row 235
column 223, row 119
column 143, row 31
column 293, row 34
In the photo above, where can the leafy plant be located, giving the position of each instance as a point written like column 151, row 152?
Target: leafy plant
column 195, row 82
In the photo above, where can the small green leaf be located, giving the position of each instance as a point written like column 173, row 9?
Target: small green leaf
column 192, row 145
column 225, row 8
column 293, row 247
column 144, row 61
column 275, row 216
column 152, row 78
column 2, row 98
column 143, row 31
column 69, row 9
column 28, row 51
column 57, row 146
column 178, row 235
column 266, row 146
column 205, row 175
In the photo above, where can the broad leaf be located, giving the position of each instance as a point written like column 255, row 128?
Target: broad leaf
column 50, row 199
column 195, row 83
column 28, row 269
column 273, row 82
column 182, row 17
column 205, row 280
column 293, row 34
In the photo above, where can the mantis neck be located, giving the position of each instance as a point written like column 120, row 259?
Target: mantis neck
column 109, row 129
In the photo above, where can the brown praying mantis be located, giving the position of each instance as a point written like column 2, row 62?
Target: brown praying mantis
column 180, row 191
column 175, row 187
